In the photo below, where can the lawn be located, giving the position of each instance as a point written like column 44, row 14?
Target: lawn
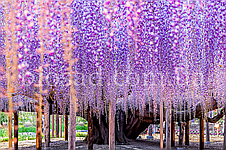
column 29, row 132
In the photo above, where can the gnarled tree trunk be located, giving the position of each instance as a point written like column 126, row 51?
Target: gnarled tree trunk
column 135, row 124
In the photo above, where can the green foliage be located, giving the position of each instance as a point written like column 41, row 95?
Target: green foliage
column 27, row 129
column 81, row 134
column 3, row 117
column 3, row 133
column 26, row 137
column 221, row 121
column 85, row 127
column 80, row 119
column 6, row 139
column 22, row 137
column 27, row 117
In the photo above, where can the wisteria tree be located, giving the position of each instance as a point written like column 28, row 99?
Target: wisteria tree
column 122, row 58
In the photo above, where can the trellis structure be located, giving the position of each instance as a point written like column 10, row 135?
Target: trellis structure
column 92, row 53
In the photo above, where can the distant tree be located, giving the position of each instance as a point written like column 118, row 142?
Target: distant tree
column 27, row 117
column 3, row 118
column 80, row 119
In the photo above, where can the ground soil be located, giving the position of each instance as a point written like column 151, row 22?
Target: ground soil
column 139, row 144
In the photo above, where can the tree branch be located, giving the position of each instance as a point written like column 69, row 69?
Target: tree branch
column 217, row 117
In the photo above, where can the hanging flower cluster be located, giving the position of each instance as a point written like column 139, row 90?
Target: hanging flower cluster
column 130, row 52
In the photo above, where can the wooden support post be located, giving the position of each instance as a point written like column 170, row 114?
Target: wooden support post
column 61, row 127
column 168, row 128
column 90, row 129
column 52, row 125
column 187, row 132
column 47, row 124
column 72, row 124
column 207, row 132
column 10, row 129
column 38, row 132
column 66, row 128
column 165, row 131
column 111, row 127
column 172, row 130
column 224, row 146
column 161, row 125
column 73, row 98
column 11, row 70
column 40, row 98
column 201, row 133
column 16, row 130
column 57, row 125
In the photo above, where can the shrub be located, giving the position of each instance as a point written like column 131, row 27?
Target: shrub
column 3, row 133
column 31, row 138
column 6, row 139
column 3, row 117
column 23, row 137
column 85, row 127
column 27, row 129
column 81, row 134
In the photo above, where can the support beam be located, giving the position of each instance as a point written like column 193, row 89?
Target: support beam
column 38, row 131
column 10, row 129
column 111, row 127
column 207, row 133
column 201, row 133
column 47, row 124
column 57, row 125
column 224, row 146
column 180, row 134
column 172, row 131
column 161, row 125
column 61, row 127
column 66, row 128
column 164, row 139
column 52, row 125
column 168, row 128
column 40, row 98
column 187, row 132
column 10, row 85
column 72, row 123
column 90, row 129
column 16, row 130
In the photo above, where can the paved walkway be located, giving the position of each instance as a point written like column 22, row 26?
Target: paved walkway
column 60, row 144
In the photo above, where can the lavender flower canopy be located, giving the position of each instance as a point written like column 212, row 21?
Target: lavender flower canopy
column 128, row 51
